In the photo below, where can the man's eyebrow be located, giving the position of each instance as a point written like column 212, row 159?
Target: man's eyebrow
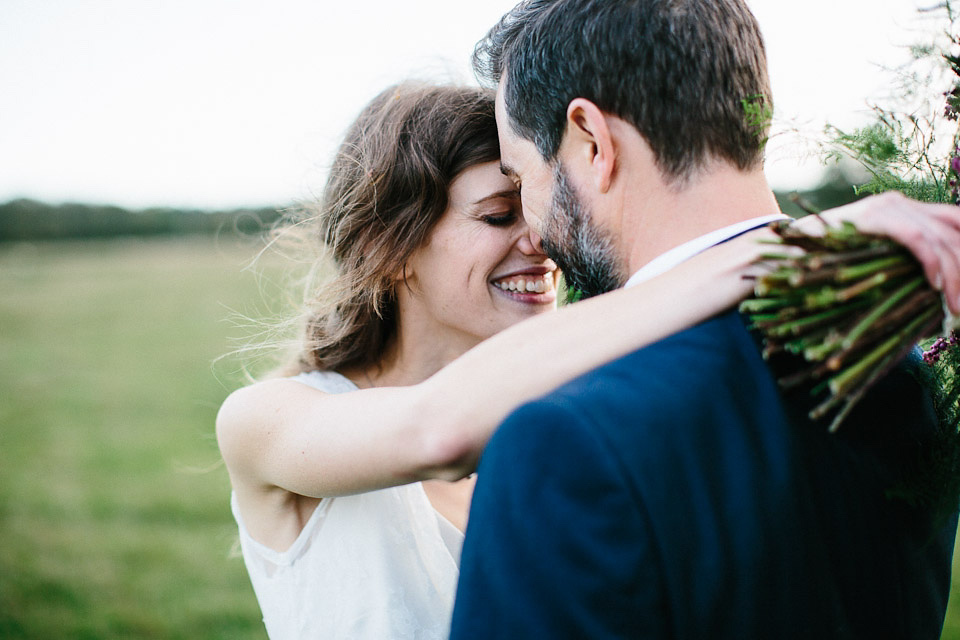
column 506, row 193
column 507, row 170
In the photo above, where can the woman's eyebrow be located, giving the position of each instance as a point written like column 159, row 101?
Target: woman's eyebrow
column 506, row 193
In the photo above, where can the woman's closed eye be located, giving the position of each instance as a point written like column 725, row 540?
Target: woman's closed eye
column 502, row 219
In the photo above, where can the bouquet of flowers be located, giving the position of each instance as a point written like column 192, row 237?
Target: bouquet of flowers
column 851, row 306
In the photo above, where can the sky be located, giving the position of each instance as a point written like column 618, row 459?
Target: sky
column 233, row 103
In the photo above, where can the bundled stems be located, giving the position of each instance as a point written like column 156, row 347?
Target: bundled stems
column 852, row 306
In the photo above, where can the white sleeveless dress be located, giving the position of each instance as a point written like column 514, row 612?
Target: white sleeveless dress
column 381, row 565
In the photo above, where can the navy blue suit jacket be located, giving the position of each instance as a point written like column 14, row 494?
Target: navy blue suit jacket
column 674, row 493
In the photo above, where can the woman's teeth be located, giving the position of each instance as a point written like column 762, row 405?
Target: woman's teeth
column 527, row 284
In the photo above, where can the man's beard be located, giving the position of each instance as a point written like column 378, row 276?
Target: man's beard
column 583, row 252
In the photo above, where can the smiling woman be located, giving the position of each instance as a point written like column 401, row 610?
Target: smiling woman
column 480, row 266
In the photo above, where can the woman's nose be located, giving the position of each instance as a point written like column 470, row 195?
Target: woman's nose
column 529, row 242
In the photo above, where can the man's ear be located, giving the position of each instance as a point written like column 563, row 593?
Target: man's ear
column 588, row 143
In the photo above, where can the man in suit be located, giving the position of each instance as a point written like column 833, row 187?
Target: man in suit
column 675, row 493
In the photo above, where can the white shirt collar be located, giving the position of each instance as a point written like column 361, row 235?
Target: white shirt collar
column 673, row 257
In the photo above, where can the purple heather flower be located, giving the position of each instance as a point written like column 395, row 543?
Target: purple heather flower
column 932, row 355
column 955, row 164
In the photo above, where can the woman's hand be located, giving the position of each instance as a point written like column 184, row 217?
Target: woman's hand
column 931, row 232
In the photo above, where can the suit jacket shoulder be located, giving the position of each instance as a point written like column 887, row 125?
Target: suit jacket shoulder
column 712, row 506
column 695, row 390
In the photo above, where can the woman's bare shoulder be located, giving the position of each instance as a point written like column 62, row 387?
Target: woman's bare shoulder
column 252, row 415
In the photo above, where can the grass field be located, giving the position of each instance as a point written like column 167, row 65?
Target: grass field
column 114, row 515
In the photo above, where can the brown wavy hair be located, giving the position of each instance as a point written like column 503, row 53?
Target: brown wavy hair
column 387, row 188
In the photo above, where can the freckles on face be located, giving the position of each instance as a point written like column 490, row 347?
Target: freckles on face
column 479, row 271
column 474, row 236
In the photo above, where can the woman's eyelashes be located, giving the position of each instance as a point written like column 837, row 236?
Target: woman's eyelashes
column 503, row 219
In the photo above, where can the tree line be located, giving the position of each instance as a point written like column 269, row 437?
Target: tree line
column 28, row 220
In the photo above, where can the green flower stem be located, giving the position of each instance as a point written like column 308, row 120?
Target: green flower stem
column 875, row 281
column 804, row 273
column 916, row 304
column 856, row 272
column 801, row 377
column 804, row 277
column 797, row 327
column 813, row 340
column 772, row 285
column 819, row 352
column 761, row 320
column 879, row 372
column 831, row 402
column 829, row 296
column 785, row 258
column 880, row 309
column 771, row 348
column 923, row 304
column 820, row 260
column 842, row 382
column 759, row 305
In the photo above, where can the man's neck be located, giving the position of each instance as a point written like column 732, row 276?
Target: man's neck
column 659, row 219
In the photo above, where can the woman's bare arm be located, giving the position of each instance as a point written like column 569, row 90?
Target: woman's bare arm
column 284, row 434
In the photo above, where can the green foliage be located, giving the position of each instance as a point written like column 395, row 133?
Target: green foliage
column 876, row 145
column 759, row 113
column 897, row 160
column 568, row 294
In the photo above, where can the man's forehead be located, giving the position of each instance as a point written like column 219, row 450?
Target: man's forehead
column 508, row 138
column 509, row 158
column 503, row 122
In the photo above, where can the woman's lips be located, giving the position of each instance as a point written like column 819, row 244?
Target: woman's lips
column 527, row 283
column 530, row 286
